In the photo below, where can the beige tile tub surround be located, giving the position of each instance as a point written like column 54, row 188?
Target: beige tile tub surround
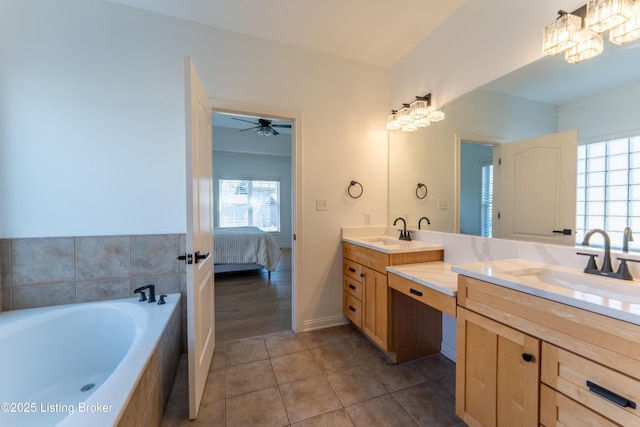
column 48, row 271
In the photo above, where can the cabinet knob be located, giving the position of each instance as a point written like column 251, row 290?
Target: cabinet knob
column 527, row 357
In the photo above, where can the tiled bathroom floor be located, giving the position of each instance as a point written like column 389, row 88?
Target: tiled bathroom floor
column 332, row 377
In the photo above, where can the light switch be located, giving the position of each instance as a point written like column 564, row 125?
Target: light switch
column 322, row 205
column 442, row 205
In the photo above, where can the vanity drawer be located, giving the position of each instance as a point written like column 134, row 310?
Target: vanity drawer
column 352, row 269
column 557, row 410
column 352, row 309
column 352, row 286
column 424, row 294
column 365, row 256
column 605, row 391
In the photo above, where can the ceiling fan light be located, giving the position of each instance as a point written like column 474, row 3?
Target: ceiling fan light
column 589, row 46
column 603, row 15
column 265, row 131
column 629, row 30
column 561, row 34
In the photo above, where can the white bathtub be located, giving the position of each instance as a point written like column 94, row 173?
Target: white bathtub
column 78, row 364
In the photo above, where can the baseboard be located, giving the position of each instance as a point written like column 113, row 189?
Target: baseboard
column 448, row 351
column 325, row 322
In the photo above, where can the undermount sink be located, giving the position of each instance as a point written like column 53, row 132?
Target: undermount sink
column 581, row 282
column 387, row 242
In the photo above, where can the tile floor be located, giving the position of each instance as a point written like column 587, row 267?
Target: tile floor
column 331, row 377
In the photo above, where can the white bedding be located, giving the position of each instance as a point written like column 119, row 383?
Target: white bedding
column 245, row 245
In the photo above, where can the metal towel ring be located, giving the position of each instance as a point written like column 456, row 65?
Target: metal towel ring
column 426, row 190
column 352, row 184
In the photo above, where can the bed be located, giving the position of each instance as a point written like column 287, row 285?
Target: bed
column 244, row 248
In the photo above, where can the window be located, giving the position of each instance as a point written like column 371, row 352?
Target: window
column 486, row 200
column 244, row 202
column 608, row 194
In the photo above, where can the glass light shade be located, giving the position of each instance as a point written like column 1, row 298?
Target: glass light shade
column 404, row 116
column 422, row 122
column 409, row 127
column 419, row 109
column 603, row 15
column 629, row 30
column 436, row 116
column 561, row 34
column 392, row 122
column 590, row 45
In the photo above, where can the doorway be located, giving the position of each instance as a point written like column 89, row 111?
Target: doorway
column 257, row 149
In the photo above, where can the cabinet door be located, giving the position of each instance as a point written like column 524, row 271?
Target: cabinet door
column 497, row 375
column 375, row 298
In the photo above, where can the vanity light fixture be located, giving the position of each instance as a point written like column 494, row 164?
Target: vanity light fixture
column 603, row 15
column 629, row 30
column 420, row 113
column 579, row 34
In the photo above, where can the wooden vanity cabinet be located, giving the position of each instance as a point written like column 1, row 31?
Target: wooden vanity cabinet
column 497, row 373
column 588, row 363
column 367, row 299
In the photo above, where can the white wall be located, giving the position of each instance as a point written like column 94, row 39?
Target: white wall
column 92, row 128
column 484, row 40
column 610, row 113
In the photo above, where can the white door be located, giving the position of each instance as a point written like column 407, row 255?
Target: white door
column 538, row 189
column 200, row 293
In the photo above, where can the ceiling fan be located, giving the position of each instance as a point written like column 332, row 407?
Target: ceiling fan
column 263, row 127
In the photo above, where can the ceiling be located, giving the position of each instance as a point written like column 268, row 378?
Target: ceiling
column 384, row 31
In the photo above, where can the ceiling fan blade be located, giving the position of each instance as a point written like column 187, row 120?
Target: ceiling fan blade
column 243, row 120
column 281, row 126
column 274, row 132
column 255, row 127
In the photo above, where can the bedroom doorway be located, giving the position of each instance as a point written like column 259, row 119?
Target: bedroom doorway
column 254, row 175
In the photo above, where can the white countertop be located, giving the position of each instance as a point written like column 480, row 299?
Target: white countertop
column 615, row 298
column 436, row 275
column 392, row 245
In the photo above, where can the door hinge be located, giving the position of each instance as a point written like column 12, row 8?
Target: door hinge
column 499, row 161
column 187, row 258
column 294, row 236
column 498, row 215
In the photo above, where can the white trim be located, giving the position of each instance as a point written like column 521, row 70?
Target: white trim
column 458, row 138
column 325, row 322
column 295, row 116
column 448, row 351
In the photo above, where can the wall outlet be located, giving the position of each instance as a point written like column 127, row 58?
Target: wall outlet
column 322, row 205
column 367, row 218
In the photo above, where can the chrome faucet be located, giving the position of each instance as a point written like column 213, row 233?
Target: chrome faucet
column 404, row 234
column 419, row 222
column 627, row 237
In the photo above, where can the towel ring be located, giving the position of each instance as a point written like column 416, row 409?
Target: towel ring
column 352, row 184
column 418, row 192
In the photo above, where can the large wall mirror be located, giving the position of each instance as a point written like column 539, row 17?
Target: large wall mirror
column 591, row 102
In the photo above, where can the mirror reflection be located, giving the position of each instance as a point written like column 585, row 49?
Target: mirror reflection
column 596, row 99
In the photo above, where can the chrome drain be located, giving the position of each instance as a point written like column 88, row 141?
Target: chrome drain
column 87, row 387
